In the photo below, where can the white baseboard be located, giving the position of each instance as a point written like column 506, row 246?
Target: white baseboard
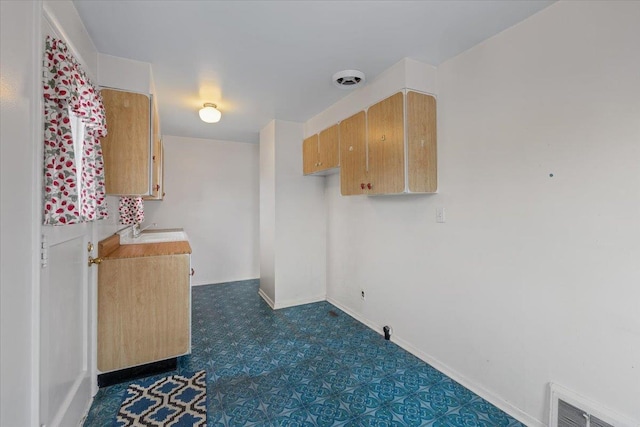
column 487, row 395
column 222, row 283
column 292, row 303
column 373, row 326
column 266, row 298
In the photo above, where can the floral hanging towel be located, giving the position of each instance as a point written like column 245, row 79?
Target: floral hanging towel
column 131, row 210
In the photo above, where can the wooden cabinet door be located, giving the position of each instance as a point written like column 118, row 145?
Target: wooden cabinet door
column 143, row 310
column 328, row 148
column 310, row 155
column 421, row 143
column 353, row 154
column 385, row 138
column 127, row 147
column 156, row 160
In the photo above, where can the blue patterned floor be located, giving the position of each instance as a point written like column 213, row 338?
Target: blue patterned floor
column 307, row 366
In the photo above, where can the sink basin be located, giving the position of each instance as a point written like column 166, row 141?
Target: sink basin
column 155, row 236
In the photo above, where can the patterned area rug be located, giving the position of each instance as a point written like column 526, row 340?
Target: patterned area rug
column 174, row 401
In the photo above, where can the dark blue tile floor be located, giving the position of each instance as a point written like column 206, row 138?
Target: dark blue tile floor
column 307, row 366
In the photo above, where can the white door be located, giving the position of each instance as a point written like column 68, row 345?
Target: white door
column 65, row 326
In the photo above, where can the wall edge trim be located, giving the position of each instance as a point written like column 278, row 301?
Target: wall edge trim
column 266, row 298
column 300, row 301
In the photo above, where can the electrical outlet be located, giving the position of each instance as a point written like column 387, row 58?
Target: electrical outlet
column 440, row 215
column 362, row 294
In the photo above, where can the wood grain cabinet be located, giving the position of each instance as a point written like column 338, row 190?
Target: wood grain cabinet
column 128, row 148
column 385, row 145
column 390, row 148
column 143, row 310
column 310, row 155
column 320, row 152
column 157, row 161
column 353, row 154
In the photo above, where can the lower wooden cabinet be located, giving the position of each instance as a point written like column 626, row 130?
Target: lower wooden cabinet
column 143, row 310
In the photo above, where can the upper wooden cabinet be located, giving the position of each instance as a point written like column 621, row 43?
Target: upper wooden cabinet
column 127, row 148
column 422, row 155
column 329, row 148
column 310, row 155
column 157, row 161
column 385, row 142
column 320, row 152
column 353, row 154
column 397, row 151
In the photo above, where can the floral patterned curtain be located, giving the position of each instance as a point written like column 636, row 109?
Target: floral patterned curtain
column 69, row 95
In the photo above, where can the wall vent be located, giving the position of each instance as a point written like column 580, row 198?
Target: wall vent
column 348, row 79
column 569, row 409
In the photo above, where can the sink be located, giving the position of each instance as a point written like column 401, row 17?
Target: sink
column 154, row 236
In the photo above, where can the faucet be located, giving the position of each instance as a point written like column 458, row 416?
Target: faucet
column 136, row 229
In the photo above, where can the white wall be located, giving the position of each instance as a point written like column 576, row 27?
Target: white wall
column 532, row 278
column 212, row 191
column 268, row 211
column 19, row 68
column 300, row 238
column 292, row 221
column 123, row 73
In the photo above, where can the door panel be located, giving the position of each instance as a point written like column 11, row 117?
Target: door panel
column 353, row 154
column 143, row 310
column 328, row 147
column 421, row 143
column 127, row 147
column 65, row 386
column 385, row 133
column 310, row 155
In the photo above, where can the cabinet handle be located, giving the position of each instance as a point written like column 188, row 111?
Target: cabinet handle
column 369, row 186
column 384, row 138
column 320, row 164
column 192, row 272
column 157, row 187
column 362, row 185
column 92, row 261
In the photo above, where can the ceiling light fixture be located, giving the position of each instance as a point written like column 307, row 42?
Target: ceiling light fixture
column 209, row 113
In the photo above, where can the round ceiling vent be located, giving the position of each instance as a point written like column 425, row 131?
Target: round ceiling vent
column 348, row 79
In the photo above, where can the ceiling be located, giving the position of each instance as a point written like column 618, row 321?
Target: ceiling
column 264, row 60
